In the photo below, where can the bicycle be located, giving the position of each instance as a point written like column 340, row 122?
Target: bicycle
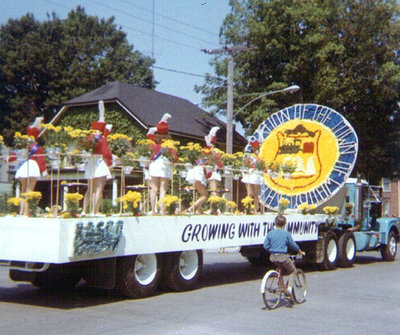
column 273, row 287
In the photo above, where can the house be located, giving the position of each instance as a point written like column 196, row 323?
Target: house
column 143, row 108
column 390, row 197
column 132, row 110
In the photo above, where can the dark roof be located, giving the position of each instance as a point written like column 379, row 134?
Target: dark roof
column 148, row 106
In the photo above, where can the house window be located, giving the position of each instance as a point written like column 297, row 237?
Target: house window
column 386, row 184
column 385, row 208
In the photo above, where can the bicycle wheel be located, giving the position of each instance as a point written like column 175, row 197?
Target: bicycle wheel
column 272, row 289
column 299, row 286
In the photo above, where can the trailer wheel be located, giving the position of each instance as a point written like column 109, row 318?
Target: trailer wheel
column 64, row 276
column 330, row 252
column 138, row 276
column 347, row 249
column 388, row 251
column 182, row 269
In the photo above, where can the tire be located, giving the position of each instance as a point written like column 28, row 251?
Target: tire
column 389, row 251
column 138, row 276
column 271, row 289
column 347, row 250
column 330, row 252
column 59, row 276
column 181, row 271
column 299, row 286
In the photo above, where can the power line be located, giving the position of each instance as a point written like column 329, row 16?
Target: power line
column 178, row 71
column 160, row 38
column 137, row 30
column 170, row 18
column 144, row 20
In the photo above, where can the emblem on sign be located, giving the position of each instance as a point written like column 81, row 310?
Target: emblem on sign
column 317, row 143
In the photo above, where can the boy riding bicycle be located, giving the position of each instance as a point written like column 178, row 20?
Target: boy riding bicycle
column 277, row 243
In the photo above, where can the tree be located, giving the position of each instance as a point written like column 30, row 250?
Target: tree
column 44, row 64
column 343, row 54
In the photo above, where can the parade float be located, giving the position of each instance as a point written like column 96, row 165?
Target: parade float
column 309, row 150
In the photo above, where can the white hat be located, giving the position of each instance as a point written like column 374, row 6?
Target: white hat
column 151, row 133
column 211, row 137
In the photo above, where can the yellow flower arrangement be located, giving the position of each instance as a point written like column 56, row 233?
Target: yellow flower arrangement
column 73, row 197
column 72, row 202
column 217, row 204
column 56, row 136
column 191, row 152
column 331, row 210
column 78, row 137
column 119, row 143
column 143, row 148
column 128, row 159
column 169, row 149
column 305, row 208
column 131, row 201
column 247, row 202
column 170, row 202
column 1, row 140
column 231, row 206
column 33, row 199
column 283, row 204
column 22, row 141
column 13, row 204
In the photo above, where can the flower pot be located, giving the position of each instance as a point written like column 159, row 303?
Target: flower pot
column 52, row 153
column 227, row 170
column 183, row 173
column 143, row 161
column 127, row 169
column 80, row 166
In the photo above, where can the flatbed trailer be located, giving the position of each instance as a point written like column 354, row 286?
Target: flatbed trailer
column 135, row 253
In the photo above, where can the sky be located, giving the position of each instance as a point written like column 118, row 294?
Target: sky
column 181, row 29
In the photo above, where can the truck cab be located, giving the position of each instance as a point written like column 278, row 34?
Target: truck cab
column 363, row 216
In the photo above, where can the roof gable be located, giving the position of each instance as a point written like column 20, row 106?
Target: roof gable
column 149, row 106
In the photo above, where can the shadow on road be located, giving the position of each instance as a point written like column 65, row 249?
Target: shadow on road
column 221, row 270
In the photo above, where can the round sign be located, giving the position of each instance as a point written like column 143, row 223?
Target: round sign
column 309, row 151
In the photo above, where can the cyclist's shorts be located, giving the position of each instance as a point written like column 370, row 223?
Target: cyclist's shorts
column 284, row 262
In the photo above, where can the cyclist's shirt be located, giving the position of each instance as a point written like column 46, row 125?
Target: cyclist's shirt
column 277, row 241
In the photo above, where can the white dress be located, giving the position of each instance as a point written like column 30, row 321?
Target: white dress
column 160, row 167
column 96, row 168
column 196, row 173
column 29, row 168
column 253, row 177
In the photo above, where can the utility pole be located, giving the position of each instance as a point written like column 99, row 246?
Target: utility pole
column 230, row 50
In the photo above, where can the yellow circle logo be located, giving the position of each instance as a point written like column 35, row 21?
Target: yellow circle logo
column 305, row 153
column 309, row 151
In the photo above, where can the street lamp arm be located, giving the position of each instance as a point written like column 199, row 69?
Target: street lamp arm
column 290, row 89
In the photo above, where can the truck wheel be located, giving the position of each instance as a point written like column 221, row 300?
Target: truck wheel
column 347, row 249
column 388, row 251
column 330, row 252
column 182, row 269
column 138, row 276
column 58, row 276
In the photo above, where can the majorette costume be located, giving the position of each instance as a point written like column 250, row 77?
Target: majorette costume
column 252, row 176
column 198, row 172
column 160, row 166
column 35, row 165
column 211, row 138
column 151, row 135
column 98, row 164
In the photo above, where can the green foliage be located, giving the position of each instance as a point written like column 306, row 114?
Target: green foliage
column 43, row 64
column 81, row 117
column 343, row 54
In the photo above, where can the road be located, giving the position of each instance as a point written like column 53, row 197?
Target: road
column 360, row 300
